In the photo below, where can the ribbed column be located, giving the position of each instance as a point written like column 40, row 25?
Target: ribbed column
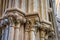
column 27, row 33
column 37, row 35
column 26, row 5
column 35, row 2
column 44, row 9
column 21, row 32
column 16, row 3
column 47, row 6
column 17, row 31
column 9, row 6
column 11, row 31
column 23, row 7
column 32, row 33
column 5, row 33
column 30, row 6
column 42, row 35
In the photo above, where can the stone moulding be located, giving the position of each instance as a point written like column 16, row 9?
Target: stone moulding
column 20, row 16
column 45, row 21
column 34, row 15
column 15, row 9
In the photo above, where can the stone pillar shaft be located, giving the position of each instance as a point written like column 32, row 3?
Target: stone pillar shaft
column 35, row 5
column 32, row 34
column 27, row 33
column 11, row 32
column 21, row 32
column 17, row 32
column 30, row 6
column 26, row 36
column 4, row 33
column 37, row 35
column 42, row 35
column 23, row 6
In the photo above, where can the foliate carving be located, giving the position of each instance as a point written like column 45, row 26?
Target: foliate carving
column 34, row 18
column 37, row 22
column 33, row 21
column 4, row 22
column 17, row 14
column 12, row 17
column 51, row 34
column 46, row 25
column 27, row 25
column 28, row 21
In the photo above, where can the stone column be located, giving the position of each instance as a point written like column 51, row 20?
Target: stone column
column 42, row 35
column 35, row 2
column 22, row 32
column 30, row 6
column 17, row 31
column 27, row 33
column 11, row 31
column 32, row 33
column 23, row 7
column 16, row 3
column 42, row 11
column 9, row 6
column 37, row 35
column 4, row 34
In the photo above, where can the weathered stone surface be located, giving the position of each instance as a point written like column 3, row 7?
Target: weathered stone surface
column 27, row 20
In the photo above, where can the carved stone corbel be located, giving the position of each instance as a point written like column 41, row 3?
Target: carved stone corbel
column 34, row 24
column 27, row 29
column 51, row 35
column 16, row 18
column 16, row 13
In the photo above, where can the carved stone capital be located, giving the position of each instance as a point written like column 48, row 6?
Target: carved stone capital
column 46, row 25
column 52, row 34
column 33, row 21
column 27, row 25
column 16, row 14
column 13, row 16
